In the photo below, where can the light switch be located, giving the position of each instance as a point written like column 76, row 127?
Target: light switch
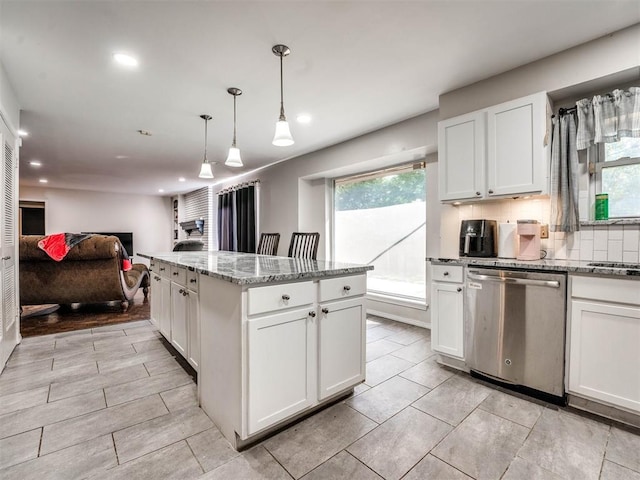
column 544, row 230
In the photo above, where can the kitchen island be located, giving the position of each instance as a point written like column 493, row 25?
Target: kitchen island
column 272, row 338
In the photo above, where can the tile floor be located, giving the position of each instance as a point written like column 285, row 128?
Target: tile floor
column 112, row 403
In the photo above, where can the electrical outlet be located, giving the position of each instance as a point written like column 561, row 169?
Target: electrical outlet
column 544, row 231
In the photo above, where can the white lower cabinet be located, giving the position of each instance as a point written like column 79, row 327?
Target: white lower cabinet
column 164, row 312
column 193, row 329
column 281, row 360
column 341, row 346
column 604, row 341
column 447, row 310
column 155, row 300
column 273, row 352
column 179, row 314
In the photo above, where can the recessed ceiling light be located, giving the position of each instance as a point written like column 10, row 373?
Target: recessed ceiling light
column 23, row 133
column 125, row 60
column 182, row 179
column 35, row 163
column 43, row 180
column 161, row 190
column 304, row 118
column 120, row 157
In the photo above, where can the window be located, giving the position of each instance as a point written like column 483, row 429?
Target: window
column 619, row 176
column 379, row 220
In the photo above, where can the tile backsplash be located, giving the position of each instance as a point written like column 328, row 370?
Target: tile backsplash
column 613, row 243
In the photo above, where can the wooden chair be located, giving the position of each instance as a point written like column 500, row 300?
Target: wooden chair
column 304, row 245
column 268, row 244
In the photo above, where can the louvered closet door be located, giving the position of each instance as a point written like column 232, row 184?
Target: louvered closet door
column 8, row 251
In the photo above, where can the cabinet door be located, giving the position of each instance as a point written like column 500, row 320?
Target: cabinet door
column 447, row 319
column 341, row 344
column 282, row 367
column 179, row 318
column 164, row 312
column 155, row 302
column 516, row 154
column 193, row 329
column 461, row 157
column 605, row 353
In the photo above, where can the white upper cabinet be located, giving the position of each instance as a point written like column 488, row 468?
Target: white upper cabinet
column 461, row 157
column 516, row 151
column 497, row 152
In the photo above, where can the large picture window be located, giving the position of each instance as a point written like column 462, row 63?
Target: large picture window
column 379, row 220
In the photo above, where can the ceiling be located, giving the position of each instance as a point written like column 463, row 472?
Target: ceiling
column 355, row 66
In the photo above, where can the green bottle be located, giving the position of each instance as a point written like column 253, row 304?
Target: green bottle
column 602, row 206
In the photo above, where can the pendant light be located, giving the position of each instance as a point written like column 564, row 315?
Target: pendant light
column 205, row 170
column 233, row 159
column 283, row 137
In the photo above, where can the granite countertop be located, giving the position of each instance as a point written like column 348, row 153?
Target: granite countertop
column 249, row 268
column 570, row 266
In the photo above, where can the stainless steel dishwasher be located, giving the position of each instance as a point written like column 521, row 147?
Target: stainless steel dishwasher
column 515, row 328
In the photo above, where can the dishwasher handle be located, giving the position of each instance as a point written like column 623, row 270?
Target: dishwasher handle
column 514, row 281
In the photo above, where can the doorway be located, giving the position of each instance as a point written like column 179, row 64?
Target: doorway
column 31, row 218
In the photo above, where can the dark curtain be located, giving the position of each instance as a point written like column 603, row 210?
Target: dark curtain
column 237, row 220
column 225, row 221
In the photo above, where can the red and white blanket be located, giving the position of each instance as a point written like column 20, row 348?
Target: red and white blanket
column 58, row 245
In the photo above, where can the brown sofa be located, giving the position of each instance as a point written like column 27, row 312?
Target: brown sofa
column 90, row 273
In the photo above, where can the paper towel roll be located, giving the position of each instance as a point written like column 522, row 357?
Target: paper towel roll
column 507, row 240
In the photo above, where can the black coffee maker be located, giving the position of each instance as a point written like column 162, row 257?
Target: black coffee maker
column 478, row 238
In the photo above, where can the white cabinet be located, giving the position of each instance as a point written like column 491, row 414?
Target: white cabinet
column 179, row 313
column 461, row 157
column 516, row 152
column 272, row 352
column 604, row 341
column 281, row 361
column 193, row 320
column 497, row 152
column 164, row 312
column 341, row 346
column 447, row 310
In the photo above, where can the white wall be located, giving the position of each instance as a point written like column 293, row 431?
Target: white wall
column 148, row 217
column 9, row 107
column 590, row 61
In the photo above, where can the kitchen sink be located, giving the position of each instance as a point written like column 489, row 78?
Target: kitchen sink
column 614, row 265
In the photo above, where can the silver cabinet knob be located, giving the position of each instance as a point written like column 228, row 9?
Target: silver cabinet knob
column 8, row 257
column 185, row 293
column 446, row 274
column 192, row 280
column 286, row 297
column 490, row 191
column 459, row 289
column 312, row 314
column 478, row 194
column 162, row 269
column 176, row 273
column 325, row 310
column 181, row 291
column 347, row 288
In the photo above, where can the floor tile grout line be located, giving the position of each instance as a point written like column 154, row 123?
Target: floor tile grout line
column 186, row 440
column 604, row 453
column 278, row 462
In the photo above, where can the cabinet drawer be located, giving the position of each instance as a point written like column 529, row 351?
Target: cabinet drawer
column 163, row 269
column 279, row 297
column 619, row 290
column 153, row 265
column 342, row 287
column 192, row 280
column 447, row 273
column 179, row 275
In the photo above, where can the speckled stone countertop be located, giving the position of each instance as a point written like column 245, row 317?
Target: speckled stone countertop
column 248, row 268
column 570, row 266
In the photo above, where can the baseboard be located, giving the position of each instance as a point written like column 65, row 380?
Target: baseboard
column 399, row 318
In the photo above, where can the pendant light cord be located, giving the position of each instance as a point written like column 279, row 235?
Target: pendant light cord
column 282, row 117
column 234, row 122
column 206, row 123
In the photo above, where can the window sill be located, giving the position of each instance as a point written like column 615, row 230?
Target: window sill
column 611, row 221
column 403, row 302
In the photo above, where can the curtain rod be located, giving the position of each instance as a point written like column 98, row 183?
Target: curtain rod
column 238, row 186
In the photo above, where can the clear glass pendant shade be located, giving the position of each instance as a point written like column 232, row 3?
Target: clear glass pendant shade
column 283, row 137
column 206, row 171
column 233, row 159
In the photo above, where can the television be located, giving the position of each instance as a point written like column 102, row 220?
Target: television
column 126, row 239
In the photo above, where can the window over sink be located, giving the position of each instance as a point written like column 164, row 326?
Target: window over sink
column 619, row 176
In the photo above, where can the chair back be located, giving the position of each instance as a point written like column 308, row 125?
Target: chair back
column 304, row 245
column 268, row 244
column 188, row 245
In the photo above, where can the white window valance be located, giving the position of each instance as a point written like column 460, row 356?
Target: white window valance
column 608, row 118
